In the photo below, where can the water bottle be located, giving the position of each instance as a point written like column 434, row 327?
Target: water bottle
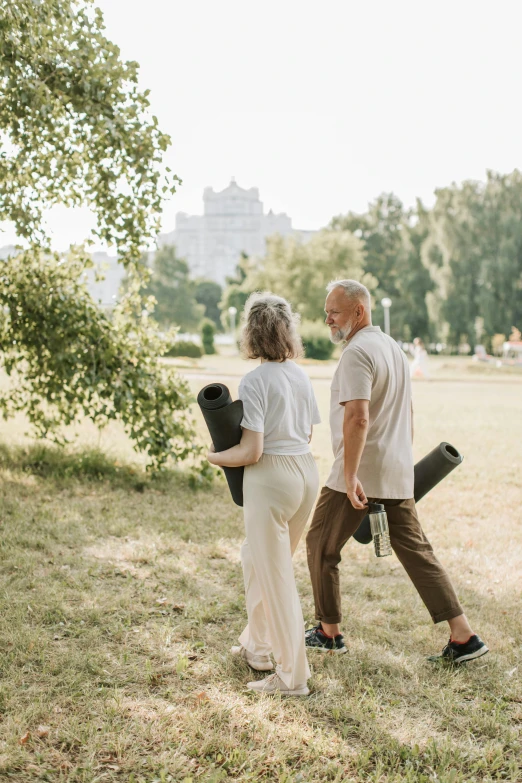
column 380, row 530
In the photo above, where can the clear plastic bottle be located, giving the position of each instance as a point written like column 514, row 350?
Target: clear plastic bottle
column 380, row 530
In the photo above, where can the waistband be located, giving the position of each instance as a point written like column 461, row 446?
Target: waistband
column 307, row 457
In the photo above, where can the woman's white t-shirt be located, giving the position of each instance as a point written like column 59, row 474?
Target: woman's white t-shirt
column 278, row 400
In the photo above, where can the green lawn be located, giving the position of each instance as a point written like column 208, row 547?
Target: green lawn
column 121, row 596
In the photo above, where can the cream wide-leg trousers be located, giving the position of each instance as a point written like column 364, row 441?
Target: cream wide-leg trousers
column 279, row 492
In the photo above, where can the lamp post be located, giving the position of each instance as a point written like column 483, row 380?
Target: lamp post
column 386, row 304
column 232, row 312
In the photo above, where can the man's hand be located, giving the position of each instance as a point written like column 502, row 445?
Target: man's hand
column 355, row 429
column 355, row 492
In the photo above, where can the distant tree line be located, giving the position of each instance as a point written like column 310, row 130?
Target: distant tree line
column 453, row 272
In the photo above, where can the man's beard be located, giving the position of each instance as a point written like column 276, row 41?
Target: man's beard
column 341, row 334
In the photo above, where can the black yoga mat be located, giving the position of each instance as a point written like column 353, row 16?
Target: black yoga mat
column 428, row 472
column 223, row 419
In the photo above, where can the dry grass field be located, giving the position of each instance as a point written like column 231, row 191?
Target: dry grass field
column 121, row 595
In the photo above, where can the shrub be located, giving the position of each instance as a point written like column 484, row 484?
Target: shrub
column 185, row 348
column 208, row 329
column 65, row 359
column 316, row 340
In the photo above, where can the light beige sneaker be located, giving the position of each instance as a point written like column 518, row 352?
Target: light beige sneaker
column 261, row 663
column 274, row 684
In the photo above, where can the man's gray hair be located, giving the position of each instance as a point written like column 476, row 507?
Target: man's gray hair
column 356, row 292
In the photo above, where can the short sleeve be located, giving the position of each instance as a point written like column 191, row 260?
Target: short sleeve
column 253, row 408
column 356, row 376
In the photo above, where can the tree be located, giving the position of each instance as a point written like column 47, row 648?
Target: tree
column 410, row 316
column 174, row 291
column 208, row 293
column 473, row 251
column 207, row 336
column 76, row 130
column 451, row 253
column 392, row 240
column 66, row 358
column 300, row 271
column 76, row 127
column 500, row 280
column 237, row 288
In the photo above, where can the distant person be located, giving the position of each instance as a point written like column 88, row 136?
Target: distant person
column 371, row 419
column 279, row 488
column 419, row 365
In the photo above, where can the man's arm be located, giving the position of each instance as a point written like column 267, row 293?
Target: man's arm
column 355, row 430
column 412, row 421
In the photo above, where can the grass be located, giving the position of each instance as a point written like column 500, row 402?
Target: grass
column 121, row 595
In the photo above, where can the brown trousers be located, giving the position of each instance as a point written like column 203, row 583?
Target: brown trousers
column 335, row 520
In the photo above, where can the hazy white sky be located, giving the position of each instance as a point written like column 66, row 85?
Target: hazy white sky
column 325, row 105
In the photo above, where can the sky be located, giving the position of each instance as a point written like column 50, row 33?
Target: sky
column 323, row 106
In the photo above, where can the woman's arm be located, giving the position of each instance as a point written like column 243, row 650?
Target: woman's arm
column 247, row 452
column 311, row 433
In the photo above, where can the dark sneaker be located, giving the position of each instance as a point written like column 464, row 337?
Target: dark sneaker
column 316, row 639
column 458, row 653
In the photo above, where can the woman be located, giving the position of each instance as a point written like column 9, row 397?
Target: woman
column 279, row 488
column 419, row 364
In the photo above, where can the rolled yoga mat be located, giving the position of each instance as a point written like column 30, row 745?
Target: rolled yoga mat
column 428, row 472
column 223, row 419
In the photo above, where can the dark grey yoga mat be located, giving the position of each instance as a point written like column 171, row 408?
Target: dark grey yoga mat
column 223, row 419
column 428, row 472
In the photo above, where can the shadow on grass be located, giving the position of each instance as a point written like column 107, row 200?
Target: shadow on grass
column 87, row 464
column 114, row 591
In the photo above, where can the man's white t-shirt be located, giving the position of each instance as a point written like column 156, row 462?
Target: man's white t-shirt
column 373, row 367
column 279, row 401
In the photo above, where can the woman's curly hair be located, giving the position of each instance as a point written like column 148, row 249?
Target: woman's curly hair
column 269, row 329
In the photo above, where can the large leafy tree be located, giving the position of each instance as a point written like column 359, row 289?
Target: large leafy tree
column 208, row 294
column 392, row 239
column 75, row 129
column 174, row 291
column 238, row 288
column 474, row 253
column 66, row 358
column 411, row 315
column 452, row 255
column 500, row 292
column 300, row 270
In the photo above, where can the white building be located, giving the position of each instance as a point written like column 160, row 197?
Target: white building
column 233, row 222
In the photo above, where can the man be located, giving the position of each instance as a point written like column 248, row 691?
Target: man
column 371, row 420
